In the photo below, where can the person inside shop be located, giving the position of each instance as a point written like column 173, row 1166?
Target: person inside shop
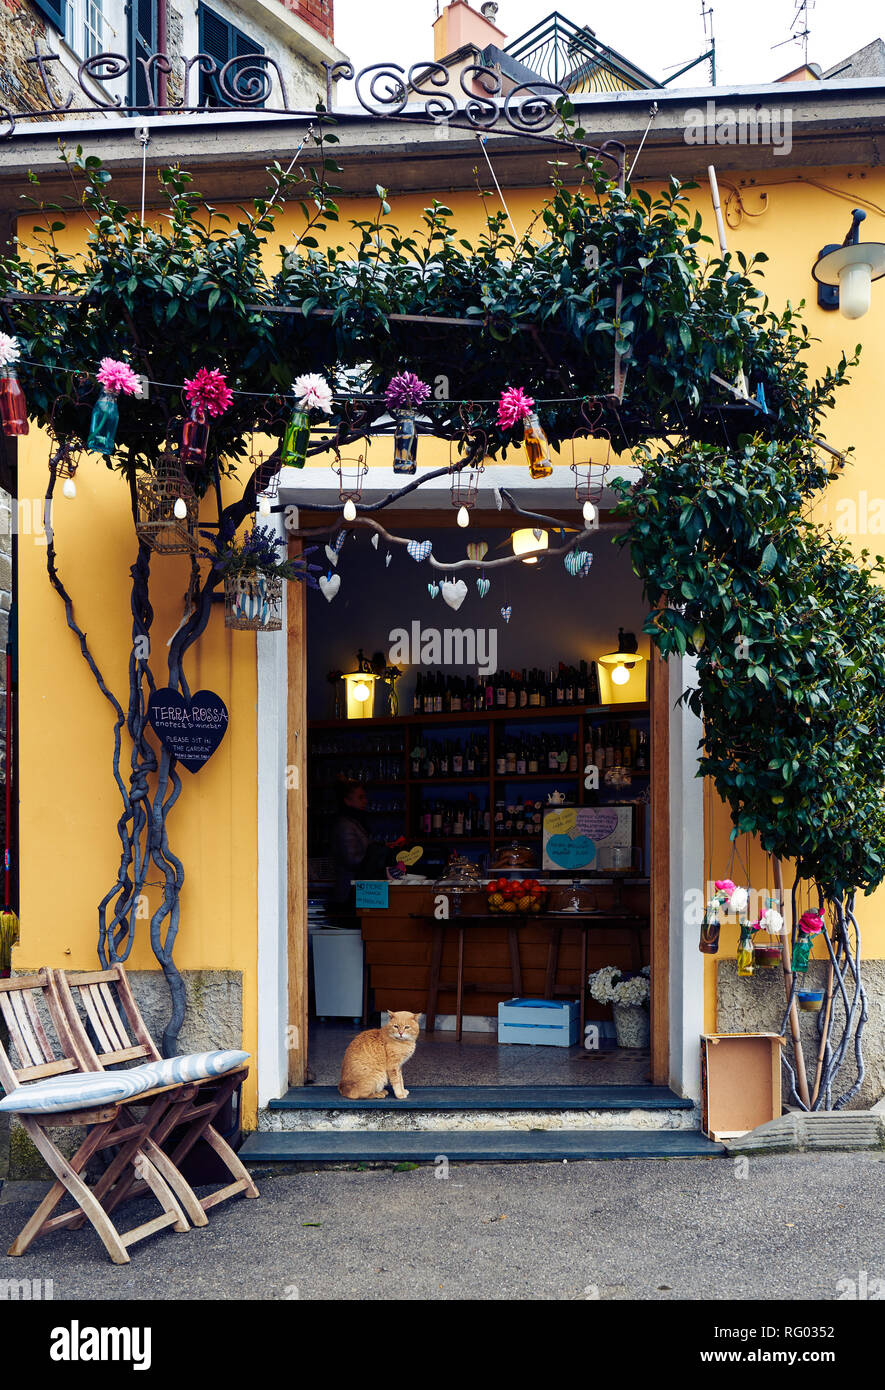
column 354, row 853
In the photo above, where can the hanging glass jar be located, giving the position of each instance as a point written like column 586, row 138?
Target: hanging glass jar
column 745, row 951
column 405, row 442
column 195, row 437
column 709, row 942
column 13, row 408
column 295, row 440
column 801, row 954
column 103, row 426
column 536, row 447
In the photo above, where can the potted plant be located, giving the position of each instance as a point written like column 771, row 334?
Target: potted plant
column 628, row 996
column 253, row 572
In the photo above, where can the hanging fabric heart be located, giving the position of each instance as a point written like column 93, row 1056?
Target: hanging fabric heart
column 329, row 586
column 375, row 539
column 433, row 590
column 477, row 550
column 331, row 555
column 387, row 558
column 419, row 550
column 505, row 613
column 537, row 533
column 190, row 730
column 578, row 562
column 482, row 586
column 454, row 591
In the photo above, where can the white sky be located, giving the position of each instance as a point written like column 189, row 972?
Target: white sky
column 658, row 35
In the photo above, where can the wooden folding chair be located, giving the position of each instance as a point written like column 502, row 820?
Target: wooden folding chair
column 110, row 1030
column 107, row 1124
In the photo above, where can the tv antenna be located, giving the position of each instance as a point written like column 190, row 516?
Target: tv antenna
column 708, row 56
column 800, row 31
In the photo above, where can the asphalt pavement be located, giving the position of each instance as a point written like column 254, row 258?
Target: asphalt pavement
column 799, row 1226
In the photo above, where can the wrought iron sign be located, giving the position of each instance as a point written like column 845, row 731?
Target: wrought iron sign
column 254, row 82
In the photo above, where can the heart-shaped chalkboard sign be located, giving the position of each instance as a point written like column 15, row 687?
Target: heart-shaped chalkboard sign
column 190, row 730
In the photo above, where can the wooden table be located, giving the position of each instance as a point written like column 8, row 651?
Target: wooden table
column 512, row 922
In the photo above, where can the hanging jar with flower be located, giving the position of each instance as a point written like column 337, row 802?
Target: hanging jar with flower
column 768, row 954
column 114, row 377
column 810, row 924
column 515, row 406
column 745, row 951
column 710, row 927
column 208, row 395
column 405, row 392
column 13, row 407
column 311, row 392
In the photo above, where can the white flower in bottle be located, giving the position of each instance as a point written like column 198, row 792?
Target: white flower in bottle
column 738, row 901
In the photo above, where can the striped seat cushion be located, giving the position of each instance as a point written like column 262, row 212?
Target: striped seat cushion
column 86, row 1089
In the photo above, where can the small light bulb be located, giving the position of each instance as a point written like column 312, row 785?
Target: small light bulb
column 589, row 513
column 463, row 517
column 361, row 692
column 620, row 675
column 264, row 506
column 180, row 509
column 349, row 510
column 70, row 488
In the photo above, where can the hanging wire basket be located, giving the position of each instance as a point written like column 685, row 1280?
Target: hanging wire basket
column 350, row 470
column 253, row 602
column 467, row 464
column 156, row 523
column 590, row 476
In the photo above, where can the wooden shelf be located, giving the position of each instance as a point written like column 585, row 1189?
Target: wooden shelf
column 515, row 716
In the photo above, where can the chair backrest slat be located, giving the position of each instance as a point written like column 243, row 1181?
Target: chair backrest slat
column 102, row 1040
column 37, row 1056
column 40, row 1073
column 106, row 1016
column 118, row 1028
column 27, row 997
column 22, row 1033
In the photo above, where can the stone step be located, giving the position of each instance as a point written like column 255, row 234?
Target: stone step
column 475, row 1147
column 477, row 1108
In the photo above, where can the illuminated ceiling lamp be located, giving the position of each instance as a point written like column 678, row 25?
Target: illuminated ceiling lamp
column 619, row 665
column 845, row 273
column 529, row 542
column 359, row 687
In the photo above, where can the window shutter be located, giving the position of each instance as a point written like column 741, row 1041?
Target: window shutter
column 54, row 10
column 142, row 43
column 221, row 41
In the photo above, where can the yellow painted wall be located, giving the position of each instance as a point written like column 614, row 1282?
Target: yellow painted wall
column 69, row 804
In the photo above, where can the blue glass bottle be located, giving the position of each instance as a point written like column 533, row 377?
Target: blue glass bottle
column 103, row 427
column 405, row 443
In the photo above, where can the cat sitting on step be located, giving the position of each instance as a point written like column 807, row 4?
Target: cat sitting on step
column 377, row 1057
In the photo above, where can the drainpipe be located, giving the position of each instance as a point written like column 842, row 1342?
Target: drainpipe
column 161, row 48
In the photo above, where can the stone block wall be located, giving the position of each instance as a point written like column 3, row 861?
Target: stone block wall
column 757, row 1005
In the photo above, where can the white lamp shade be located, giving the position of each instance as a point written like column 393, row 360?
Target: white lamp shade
column 620, row 675
column 360, row 690
column 527, row 544
column 852, row 268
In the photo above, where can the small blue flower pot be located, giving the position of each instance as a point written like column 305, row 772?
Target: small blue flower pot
column 810, row 1000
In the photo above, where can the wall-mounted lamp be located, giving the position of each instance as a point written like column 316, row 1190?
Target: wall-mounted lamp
column 528, row 542
column 359, row 686
column 844, row 273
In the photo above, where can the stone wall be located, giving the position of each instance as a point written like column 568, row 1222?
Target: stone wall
column 757, row 1006
column 21, row 87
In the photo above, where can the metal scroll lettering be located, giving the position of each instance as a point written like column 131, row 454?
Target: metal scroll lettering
column 392, row 98
column 480, row 111
column 103, row 67
column 251, row 84
column 439, row 106
column 534, row 111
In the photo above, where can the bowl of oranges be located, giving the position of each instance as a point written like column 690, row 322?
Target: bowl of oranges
column 516, row 895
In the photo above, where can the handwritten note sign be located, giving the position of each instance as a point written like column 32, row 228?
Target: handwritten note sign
column 190, row 730
column 573, row 835
column 371, row 892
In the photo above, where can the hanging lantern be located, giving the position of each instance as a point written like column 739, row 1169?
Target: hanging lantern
column 13, row 407
column 359, row 687
column 590, row 476
column 351, row 471
column 167, row 509
column 619, row 666
column 465, row 471
column 405, row 392
column 529, row 543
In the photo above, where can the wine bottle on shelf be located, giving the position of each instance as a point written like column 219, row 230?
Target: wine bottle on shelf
column 511, row 756
column 533, row 756
column 521, row 760
column 552, row 757
column 609, row 746
column 500, row 759
column 569, row 685
column 457, row 761
column 626, row 750
column 642, row 752
column 592, row 685
column 490, row 692
column 511, row 691
column 573, row 754
column 581, row 684
column 418, row 697
column 523, row 700
column 500, row 691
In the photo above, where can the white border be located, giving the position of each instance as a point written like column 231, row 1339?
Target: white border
column 686, row 874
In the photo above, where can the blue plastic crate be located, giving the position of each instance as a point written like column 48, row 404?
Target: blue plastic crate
column 539, row 1022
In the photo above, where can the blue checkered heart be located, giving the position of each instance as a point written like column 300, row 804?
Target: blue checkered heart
column 419, row 550
column 506, row 612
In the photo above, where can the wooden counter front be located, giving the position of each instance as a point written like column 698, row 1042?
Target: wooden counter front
column 398, row 951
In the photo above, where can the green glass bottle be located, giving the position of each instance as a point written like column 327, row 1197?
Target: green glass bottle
column 103, row 426
column 296, row 440
column 801, row 953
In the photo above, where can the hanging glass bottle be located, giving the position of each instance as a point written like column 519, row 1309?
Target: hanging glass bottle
column 105, row 419
column 745, row 951
column 801, row 953
column 195, row 437
column 295, row 440
column 405, row 443
column 13, row 409
column 536, row 447
column 709, row 942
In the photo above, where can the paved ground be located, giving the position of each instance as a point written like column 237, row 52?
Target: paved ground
column 787, row 1227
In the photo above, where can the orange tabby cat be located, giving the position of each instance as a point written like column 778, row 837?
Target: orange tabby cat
column 377, row 1057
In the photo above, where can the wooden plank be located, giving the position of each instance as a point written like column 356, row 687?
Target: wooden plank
column 101, row 1039
column 45, row 1069
column 20, row 1031
column 296, row 802
column 660, row 871
column 37, row 1026
column 113, row 1015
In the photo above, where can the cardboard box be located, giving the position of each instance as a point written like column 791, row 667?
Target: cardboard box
column 539, row 1022
column 740, row 1082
